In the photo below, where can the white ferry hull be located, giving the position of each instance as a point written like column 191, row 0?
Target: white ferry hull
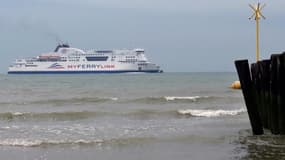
column 62, row 68
column 80, row 72
column 81, row 63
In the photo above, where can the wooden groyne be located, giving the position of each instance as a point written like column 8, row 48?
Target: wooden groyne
column 263, row 87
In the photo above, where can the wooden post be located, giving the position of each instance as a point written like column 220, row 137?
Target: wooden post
column 281, row 107
column 256, row 83
column 265, row 89
column 248, row 93
column 274, row 85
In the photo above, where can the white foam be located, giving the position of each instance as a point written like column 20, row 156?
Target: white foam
column 82, row 141
column 18, row 114
column 210, row 113
column 33, row 143
column 20, row 142
column 114, row 98
column 193, row 98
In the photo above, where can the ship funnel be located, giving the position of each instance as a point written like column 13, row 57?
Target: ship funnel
column 61, row 46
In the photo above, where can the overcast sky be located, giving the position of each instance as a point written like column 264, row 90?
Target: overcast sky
column 179, row 35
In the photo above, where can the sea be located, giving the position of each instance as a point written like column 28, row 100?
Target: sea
column 165, row 116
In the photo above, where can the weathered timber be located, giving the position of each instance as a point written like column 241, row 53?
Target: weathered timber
column 264, row 67
column 263, row 87
column 281, row 107
column 274, row 84
column 242, row 67
column 255, row 76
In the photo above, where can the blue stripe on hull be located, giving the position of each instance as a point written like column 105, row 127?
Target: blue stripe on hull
column 79, row 72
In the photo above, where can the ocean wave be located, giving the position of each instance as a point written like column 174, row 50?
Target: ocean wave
column 79, row 100
column 210, row 113
column 35, row 143
column 172, row 99
column 21, row 142
column 72, row 116
column 193, row 98
column 142, row 114
column 145, row 114
column 98, row 100
column 10, row 116
column 73, row 100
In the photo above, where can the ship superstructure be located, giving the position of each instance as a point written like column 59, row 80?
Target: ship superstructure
column 65, row 59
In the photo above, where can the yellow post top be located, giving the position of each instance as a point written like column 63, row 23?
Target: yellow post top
column 257, row 11
column 257, row 15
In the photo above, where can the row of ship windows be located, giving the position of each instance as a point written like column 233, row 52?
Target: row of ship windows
column 74, row 59
column 130, row 56
column 90, row 54
column 105, row 58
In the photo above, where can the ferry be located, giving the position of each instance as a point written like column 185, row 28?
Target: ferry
column 65, row 59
